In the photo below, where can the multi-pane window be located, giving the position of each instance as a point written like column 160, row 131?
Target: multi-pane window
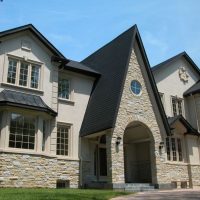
column 35, row 70
column 12, row 67
column 136, row 87
column 23, row 73
column 177, row 106
column 22, row 132
column 63, row 140
column 64, row 89
column 174, row 149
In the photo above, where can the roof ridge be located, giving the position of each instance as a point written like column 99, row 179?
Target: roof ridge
column 134, row 27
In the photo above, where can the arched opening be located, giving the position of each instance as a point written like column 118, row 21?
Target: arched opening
column 137, row 153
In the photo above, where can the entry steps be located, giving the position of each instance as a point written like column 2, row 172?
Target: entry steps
column 139, row 187
column 129, row 187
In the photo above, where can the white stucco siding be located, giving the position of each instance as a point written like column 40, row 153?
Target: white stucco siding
column 73, row 112
column 11, row 46
column 193, row 149
column 169, row 83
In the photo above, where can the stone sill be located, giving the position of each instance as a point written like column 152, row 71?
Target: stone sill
column 182, row 163
column 66, row 101
column 7, row 85
column 17, row 151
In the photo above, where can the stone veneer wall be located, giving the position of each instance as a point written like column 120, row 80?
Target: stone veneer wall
column 23, row 170
column 134, row 108
column 195, row 173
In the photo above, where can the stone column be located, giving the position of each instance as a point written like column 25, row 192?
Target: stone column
column 4, row 139
column 39, row 136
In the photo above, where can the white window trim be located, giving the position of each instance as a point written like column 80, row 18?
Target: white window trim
column 30, row 62
column 70, row 100
column 70, row 140
column 177, row 154
column 163, row 98
column 179, row 98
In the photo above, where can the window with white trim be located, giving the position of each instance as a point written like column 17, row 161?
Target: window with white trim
column 174, row 149
column 23, row 73
column 22, row 131
column 63, row 140
column 64, row 88
column 177, row 106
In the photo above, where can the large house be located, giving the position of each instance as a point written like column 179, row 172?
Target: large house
column 100, row 122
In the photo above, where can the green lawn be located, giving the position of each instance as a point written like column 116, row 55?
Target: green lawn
column 57, row 194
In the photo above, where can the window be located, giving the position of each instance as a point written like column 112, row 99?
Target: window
column 22, row 132
column 12, row 67
column 136, row 87
column 63, row 140
column 64, row 89
column 23, row 74
column 177, row 106
column 162, row 98
column 174, row 149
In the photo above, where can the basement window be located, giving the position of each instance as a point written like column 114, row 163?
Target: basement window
column 62, row 184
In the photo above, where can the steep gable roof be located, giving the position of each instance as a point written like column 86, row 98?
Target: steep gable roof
column 186, row 124
column 33, row 30
column 194, row 89
column 112, row 62
column 164, row 64
column 58, row 56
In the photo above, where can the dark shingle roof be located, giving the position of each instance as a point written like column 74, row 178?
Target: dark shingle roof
column 80, row 68
column 32, row 29
column 22, row 100
column 173, row 59
column 188, row 126
column 194, row 89
column 112, row 62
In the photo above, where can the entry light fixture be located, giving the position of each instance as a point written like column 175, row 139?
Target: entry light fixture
column 118, row 141
column 161, row 145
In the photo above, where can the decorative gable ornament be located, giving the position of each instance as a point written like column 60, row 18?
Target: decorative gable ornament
column 183, row 74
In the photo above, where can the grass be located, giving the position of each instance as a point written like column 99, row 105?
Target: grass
column 57, row 194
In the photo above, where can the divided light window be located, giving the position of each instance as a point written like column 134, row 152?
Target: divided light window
column 23, row 73
column 22, row 131
column 174, row 149
column 64, row 88
column 177, row 106
column 63, row 140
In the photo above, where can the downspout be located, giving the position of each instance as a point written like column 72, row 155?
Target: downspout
column 81, row 164
column 195, row 105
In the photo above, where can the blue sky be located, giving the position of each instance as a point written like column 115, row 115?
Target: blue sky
column 79, row 27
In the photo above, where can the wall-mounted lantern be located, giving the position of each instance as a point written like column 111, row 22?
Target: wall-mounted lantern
column 118, row 141
column 161, row 145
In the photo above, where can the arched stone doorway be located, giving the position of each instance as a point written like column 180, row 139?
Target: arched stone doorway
column 137, row 153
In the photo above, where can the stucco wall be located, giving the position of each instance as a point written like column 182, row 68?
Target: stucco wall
column 169, row 83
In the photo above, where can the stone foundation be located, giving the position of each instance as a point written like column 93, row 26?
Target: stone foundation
column 23, row 170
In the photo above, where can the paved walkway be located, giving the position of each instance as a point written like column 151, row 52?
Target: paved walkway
column 184, row 194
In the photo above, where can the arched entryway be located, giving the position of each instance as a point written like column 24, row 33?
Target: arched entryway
column 137, row 153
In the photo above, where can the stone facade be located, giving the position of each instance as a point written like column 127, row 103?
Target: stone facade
column 25, row 170
column 134, row 108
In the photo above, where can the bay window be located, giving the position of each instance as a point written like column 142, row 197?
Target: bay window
column 22, row 131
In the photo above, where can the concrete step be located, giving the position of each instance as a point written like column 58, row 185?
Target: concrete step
column 139, row 187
